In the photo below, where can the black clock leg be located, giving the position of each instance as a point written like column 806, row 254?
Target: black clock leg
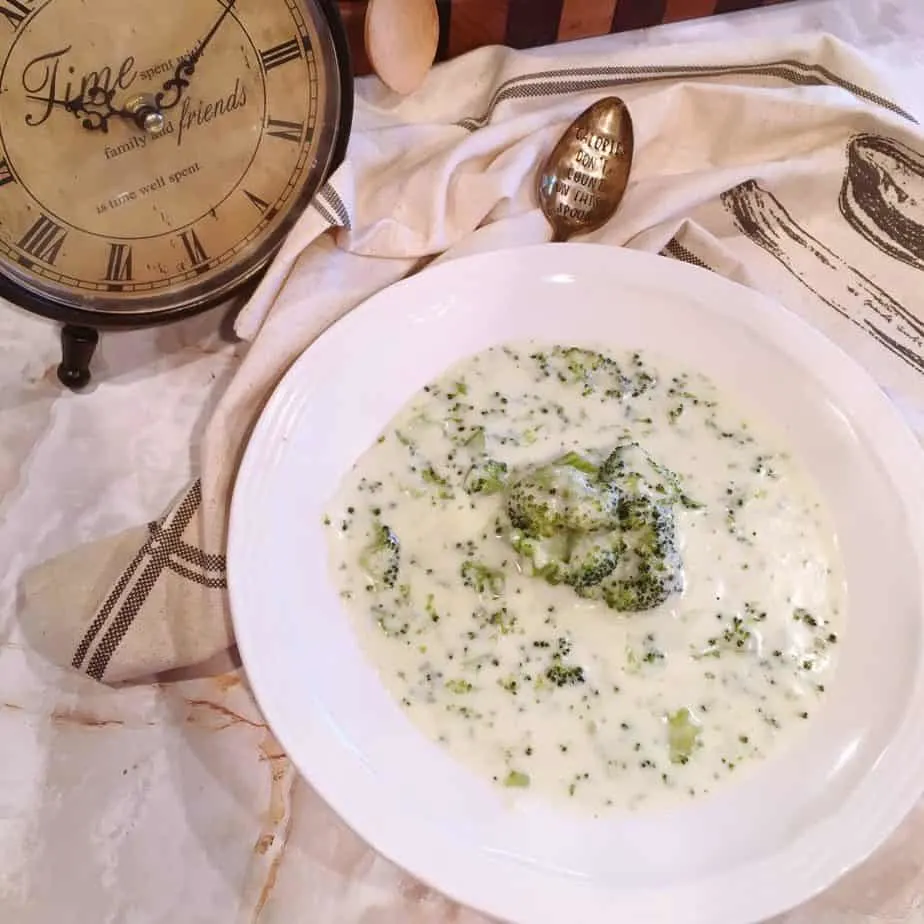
column 77, row 347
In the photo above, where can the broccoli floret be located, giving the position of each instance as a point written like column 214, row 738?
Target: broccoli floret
column 486, row 476
column 649, row 569
column 482, row 579
column 607, row 531
column 643, row 590
column 381, row 559
column 580, row 560
column 631, row 468
column 591, row 558
column 546, row 499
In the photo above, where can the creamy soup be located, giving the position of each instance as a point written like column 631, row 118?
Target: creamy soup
column 590, row 575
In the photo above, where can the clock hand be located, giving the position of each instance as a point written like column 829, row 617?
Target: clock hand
column 97, row 117
column 74, row 106
column 187, row 66
column 200, row 48
column 95, row 106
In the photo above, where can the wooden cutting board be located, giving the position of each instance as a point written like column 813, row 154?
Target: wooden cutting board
column 468, row 24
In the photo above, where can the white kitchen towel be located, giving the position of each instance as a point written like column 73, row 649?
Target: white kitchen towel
column 790, row 167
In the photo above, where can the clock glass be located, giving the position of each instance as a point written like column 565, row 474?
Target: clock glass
column 153, row 154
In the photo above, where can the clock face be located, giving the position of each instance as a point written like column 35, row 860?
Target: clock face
column 102, row 210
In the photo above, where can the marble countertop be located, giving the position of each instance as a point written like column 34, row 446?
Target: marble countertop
column 173, row 803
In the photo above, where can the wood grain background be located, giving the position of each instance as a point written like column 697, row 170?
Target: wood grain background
column 468, row 24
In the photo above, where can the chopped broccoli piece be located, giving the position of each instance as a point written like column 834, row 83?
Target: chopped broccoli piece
column 476, row 444
column 579, row 462
column 482, row 579
column 608, row 532
column 381, row 558
column 459, row 686
column 431, row 476
column 563, row 675
column 501, row 619
column 516, row 780
column 592, row 371
column 682, row 735
column 486, row 476
column 546, row 555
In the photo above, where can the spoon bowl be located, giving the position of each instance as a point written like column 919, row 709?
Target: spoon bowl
column 584, row 178
column 401, row 38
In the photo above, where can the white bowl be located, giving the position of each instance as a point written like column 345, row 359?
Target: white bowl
column 754, row 848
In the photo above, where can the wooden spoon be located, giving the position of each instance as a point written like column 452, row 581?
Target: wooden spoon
column 401, row 38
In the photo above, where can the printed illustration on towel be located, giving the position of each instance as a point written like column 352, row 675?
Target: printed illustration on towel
column 882, row 197
column 761, row 217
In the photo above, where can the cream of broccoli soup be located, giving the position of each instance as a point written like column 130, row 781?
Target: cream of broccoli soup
column 590, row 575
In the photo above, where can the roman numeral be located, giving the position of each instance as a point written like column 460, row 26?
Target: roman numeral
column 43, row 240
column 194, row 248
column 288, row 131
column 281, row 54
column 15, row 11
column 261, row 206
column 6, row 175
column 119, row 268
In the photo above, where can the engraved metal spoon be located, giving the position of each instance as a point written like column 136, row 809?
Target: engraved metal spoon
column 583, row 180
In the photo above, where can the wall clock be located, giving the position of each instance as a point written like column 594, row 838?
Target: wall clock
column 154, row 153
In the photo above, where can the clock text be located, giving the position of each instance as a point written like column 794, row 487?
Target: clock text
column 44, row 80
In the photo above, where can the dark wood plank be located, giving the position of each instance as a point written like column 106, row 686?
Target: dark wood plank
column 444, row 11
column 637, row 14
column 532, row 22
column 734, row 6
column 687, row 9
column 476, row 23
column 353, row 14
column 585, row 19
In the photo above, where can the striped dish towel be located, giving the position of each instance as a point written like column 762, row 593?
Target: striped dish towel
column 790, row 167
